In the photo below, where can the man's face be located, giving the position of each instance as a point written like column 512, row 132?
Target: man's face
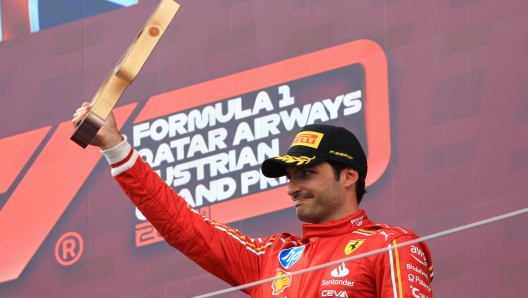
column 316, row 194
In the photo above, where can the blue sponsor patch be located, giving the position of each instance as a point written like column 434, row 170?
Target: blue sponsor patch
column 290, row 256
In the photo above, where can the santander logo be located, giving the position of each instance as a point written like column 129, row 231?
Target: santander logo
column 340, row 271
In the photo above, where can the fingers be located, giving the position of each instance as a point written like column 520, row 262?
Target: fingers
column 81, row 113
column 85, row 105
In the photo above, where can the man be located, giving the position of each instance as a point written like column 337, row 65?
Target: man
column 326, row 168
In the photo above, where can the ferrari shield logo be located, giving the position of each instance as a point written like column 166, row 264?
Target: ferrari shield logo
column 352, row 246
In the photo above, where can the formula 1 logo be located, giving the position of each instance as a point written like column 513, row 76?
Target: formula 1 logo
column 44, row 192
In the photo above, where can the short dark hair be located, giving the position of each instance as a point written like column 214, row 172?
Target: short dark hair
column 360, row 185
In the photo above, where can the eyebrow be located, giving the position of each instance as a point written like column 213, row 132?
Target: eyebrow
column 297, row 170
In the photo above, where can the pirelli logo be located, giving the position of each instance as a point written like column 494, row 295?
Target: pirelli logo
column 308, row 139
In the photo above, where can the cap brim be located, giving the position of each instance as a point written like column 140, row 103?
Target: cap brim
column 276, row 166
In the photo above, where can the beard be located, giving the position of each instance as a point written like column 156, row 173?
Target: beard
column 318, row 208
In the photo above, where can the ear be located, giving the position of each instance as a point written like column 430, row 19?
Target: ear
column 351, row 177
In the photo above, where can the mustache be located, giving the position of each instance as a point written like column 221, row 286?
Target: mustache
column 303, row 194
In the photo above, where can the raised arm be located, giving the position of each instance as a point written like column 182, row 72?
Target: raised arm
column 219, row 249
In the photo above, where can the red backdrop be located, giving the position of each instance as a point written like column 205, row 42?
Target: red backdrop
column 435, row 90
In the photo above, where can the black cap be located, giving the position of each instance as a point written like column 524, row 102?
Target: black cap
column 316, row 143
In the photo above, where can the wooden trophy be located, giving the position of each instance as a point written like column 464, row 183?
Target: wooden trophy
column 125, row 72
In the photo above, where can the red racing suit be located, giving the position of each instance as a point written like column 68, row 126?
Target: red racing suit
column 238, row 259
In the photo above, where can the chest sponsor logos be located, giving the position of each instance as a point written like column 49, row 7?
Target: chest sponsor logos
column 352, row 246
column 416, row 293
column 419, row 261
column 417, row 270
column 410, row 277
column 334, row 293
column 418, row 255
column 282, row 281
column 341, row 282
column 340, row 271
column 290, row 256
column 416, row 279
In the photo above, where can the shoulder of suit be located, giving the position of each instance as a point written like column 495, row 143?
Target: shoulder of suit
column 396, row 230
column 285, row 236
column 384, row 232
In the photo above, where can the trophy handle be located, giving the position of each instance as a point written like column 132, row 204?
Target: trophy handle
column 125, row 72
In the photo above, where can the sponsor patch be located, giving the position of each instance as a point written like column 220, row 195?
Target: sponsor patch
column 340, row 271
column 385, row 235
column 282, row 280
column 308, row 139
column 417, row 270
column 352, row 246
column 341, row 154
column 419, row 261
column 290, row 256
column 334, row 293
column 416, row 293
column 417, row 251
column 342, row 282
column 357, row 221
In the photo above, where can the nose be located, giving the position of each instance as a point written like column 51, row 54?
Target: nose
column 293, row 188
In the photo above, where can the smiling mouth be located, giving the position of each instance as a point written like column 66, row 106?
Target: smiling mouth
column 300, row 197
column 300, row 201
